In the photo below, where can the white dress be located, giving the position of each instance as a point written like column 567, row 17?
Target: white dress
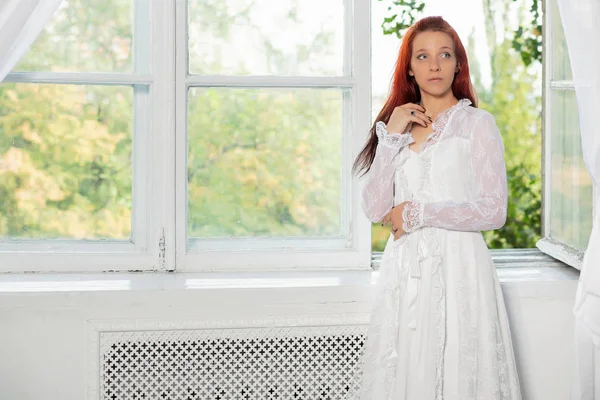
column 439, row 328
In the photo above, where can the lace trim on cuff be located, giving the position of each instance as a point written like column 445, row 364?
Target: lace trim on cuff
column 412, row 216
column 393, row 140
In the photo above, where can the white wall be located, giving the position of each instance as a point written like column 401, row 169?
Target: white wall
column 542, row 324
column 47, row 324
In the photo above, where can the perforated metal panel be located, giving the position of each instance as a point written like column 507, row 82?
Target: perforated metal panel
column 308, row 363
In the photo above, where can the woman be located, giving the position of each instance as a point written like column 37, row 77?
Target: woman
column 435, row 173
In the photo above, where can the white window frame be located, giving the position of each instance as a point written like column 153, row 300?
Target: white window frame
column 352, row 250
column 153, row 110
column 548, row 244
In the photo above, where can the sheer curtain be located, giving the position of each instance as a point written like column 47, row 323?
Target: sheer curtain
column 21, row 21
column 582, row 30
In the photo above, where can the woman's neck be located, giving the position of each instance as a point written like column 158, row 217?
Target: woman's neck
column 435, row 105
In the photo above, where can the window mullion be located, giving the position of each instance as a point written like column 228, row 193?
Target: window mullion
column 81, row 78
column 361, row 67
column 163, row 134
column 270, row 81
column 547, row 119
column 349, row 37
column 141, row 221
column 562, row 85
column 179, row 163
column 348, row 121
column 142, row 49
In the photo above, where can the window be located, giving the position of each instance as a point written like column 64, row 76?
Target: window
column 77, row 134
column 568, row 189
column 187, row 135
column 274, row 97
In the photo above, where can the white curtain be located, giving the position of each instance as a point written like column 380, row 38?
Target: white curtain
column 21, row 21
column 581, row 22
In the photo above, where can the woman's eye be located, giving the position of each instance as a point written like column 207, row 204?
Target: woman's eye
column 446, row 55
column 421, row 57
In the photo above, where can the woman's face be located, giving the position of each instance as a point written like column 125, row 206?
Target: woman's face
column 433, row 62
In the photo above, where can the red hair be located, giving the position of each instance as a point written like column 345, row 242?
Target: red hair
column 404, row 88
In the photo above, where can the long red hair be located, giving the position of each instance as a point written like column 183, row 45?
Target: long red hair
column 404, row 88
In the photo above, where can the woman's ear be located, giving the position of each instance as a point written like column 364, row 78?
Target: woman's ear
column 410, row 73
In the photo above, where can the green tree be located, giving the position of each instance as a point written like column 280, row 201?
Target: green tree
column 516, row 104
column 264, row 162
column 65, row 150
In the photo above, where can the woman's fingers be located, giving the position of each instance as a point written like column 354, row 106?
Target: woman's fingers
column 419, row 118
column 386, row 219
column 416, row 110
column 398, row 234
column 403, row 115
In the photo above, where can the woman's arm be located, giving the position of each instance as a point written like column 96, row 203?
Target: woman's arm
column 488, row 210
column 377, row 193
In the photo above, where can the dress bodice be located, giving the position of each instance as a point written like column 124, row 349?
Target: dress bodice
column 411, row 170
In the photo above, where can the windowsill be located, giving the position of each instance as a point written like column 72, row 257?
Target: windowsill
column 512, row 266
column 509, row 258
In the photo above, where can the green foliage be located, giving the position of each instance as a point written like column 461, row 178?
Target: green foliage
column 516, row 105
column 403, row 13
column 65, row 155
column 523, row 220
column 262, row 173
column 527, row 39
column 66, row 150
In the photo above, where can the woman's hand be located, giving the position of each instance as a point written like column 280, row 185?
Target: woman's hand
column 395, row 219
column 404, row 115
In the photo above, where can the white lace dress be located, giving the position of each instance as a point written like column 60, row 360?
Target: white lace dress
column 439, row 328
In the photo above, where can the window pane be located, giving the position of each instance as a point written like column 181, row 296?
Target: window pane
column 266, row 37
column 571, row 198
column 561, row 66
column 264, row 162
column 84, row 36
column 65, row 161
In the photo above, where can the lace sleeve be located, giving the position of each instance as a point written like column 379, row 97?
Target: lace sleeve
column 377, row 193
column 488, row 210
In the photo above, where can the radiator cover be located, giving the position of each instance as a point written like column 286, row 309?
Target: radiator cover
column 308, row 363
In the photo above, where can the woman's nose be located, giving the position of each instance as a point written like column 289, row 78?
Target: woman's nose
column 434, row 67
